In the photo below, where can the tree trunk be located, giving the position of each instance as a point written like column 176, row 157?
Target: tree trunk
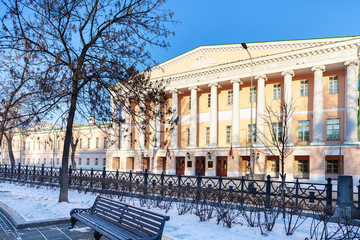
column 64, row 177
column 73, row 152
column 11, row 154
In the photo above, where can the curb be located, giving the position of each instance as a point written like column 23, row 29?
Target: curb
column 20, row 223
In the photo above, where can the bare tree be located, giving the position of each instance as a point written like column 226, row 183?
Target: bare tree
column 82, row 48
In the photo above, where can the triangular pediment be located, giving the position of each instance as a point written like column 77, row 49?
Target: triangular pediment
column 209, row 56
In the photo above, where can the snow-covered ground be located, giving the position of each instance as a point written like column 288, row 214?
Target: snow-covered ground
column 41, row 203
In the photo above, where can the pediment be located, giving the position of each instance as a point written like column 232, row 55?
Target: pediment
column 209, row 56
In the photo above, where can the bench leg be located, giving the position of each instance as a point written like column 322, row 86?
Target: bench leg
column 73, row 221
column 97, row 235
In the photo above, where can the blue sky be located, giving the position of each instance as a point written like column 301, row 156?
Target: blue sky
column 207, row 22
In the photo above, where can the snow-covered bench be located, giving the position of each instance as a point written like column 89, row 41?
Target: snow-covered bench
column 117, row 220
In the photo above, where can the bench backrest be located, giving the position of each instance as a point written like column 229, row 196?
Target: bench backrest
column 140, row 222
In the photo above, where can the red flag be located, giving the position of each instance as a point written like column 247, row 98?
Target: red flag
column 230, row 152
column 167, row 152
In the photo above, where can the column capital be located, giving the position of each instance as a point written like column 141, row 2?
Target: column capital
column 351, row 62
column 236, row 80
column 174, row 90
column 194, row 88
column 317, row 68
column 258, row 77
column 289, row 72
column 213, row 85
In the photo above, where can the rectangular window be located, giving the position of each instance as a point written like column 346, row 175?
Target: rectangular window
column 104, row 161
column 303, row 166
column 253, row 135
column 228, row 134
column 57, row 161
column 209, row 100
column 44, row 161
column 189, row 102
column 97, row 143
column 44, row 145
column 304, row 88
column 58, row 145
column 253, row 94
column 207, row 135
column 29, row 146
column 277, row 132
column 131, row 140
column 276, row 91
column 80, row 161
column 24, row 146
column 96, row 161
column 333, row 84
column 303, row 131
column 105, row 142
column 51, row 161
column 333, row 129
column 188, row 136
column 80, row 143
column 88, row 143
column 332, row 166
column 274, row 166
column 87, row 161
column 51, row 145
column 230, row 97
column 28, row 161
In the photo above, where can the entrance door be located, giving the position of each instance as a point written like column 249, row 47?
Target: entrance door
column 200, row 166
column 145, row 163
column 221, row 166
column 180, row 165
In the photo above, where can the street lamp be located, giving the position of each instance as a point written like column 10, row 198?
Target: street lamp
column 251, row 113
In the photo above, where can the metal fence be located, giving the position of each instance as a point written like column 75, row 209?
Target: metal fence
column 240, row 191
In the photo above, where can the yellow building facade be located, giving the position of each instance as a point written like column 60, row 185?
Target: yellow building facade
column 209, row 91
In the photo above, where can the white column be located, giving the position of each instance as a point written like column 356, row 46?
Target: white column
column 113, row 124
column 260, row 109
column 193, row 117
column 213, row 115
column 141, row 127
column 175, row 114
column 125, row 127
column 288, row 101
column 236, row 112
column 351, row 87
column 318, row 135
column 157, row 124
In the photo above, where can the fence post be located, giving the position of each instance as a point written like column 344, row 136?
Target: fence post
column 329, row 193
column 220, row 183
column 117, row 180
column 103, row 178
column 267, row 191
column 19, row 171
column 51, row 174
column 179, row 185
column 242, row 191
column 297, row 194
column 42, row 173
column 91, row 177
column 34, row 174
column 198, row 185
column 70, row 173
column 26, row 172
column 80, row 180
column 130, row 181
column 5, row 170
column 145, row 181
column 162, row 184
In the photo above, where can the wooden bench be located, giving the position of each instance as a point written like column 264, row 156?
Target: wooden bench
column 116, row 220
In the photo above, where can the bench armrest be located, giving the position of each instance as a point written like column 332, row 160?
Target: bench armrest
column 80, row 210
